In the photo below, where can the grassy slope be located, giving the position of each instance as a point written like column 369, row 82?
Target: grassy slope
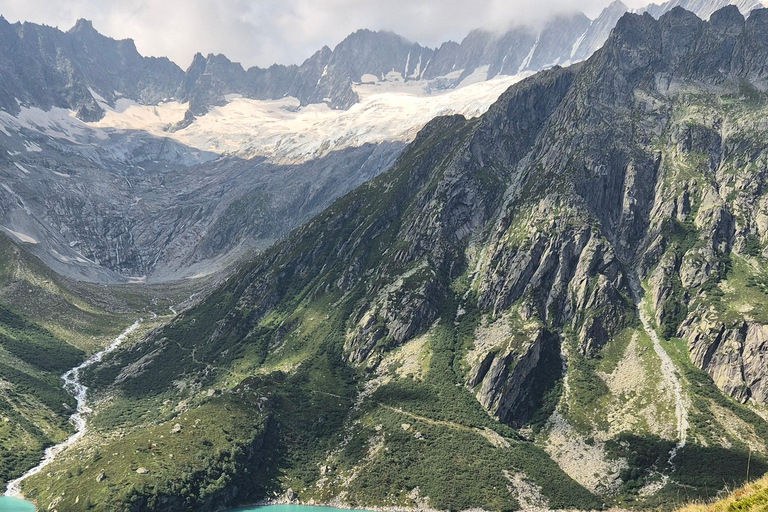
column 752, row 497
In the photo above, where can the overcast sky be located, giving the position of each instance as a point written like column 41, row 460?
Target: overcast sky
column 263, row 32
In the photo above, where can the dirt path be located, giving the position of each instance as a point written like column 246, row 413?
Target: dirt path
column 491, row 436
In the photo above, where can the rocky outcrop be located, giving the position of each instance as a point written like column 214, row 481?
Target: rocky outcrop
column 735, row 357
column 502, row 378
column 503, row 363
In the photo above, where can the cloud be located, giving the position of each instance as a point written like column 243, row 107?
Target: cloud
column 262, row 32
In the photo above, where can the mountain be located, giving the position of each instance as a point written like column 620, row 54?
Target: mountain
column 329, row 75
column 46, row 67
column 123, row 199
column 558, row 304
column 181, row 174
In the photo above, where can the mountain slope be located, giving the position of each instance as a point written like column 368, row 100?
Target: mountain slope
column 326, row 388
column 47, row 326
column 509, row 295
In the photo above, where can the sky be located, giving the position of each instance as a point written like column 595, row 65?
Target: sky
column 264, row 32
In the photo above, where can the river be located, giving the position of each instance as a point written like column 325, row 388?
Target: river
column 12, row 501
column 73, row 385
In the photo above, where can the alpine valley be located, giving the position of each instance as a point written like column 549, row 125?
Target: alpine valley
column 526, row 271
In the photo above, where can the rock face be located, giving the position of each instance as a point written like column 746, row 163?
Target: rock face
column 142, row 206
column 735, row 358
column 46, row 68
column 502, row 369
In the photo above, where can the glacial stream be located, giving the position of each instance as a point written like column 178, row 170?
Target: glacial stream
column 73, row 386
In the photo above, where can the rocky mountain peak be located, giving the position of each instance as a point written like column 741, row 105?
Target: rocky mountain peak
column 615, row 6
column 222, row 62
column 327, row 76
column 758, row 18
column 634, row 43
column 728, row 19
column 83, row 25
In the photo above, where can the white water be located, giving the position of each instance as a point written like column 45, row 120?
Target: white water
column 72, row 385
column 668, row 372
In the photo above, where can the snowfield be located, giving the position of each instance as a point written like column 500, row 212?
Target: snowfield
column 285, row 133
column 280, row 130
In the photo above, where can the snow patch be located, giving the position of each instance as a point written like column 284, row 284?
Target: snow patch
column 21, row 167
column 407, row 64
column 21, row 237
column 285, row 132
column 129, row 115
column 527, row 60
column 57, row 123
column 580, row 40
column 31, row 147
column 478, row 75
column 417, row 71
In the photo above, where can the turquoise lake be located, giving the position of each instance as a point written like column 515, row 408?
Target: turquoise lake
column 14, row 505
column 291, row 508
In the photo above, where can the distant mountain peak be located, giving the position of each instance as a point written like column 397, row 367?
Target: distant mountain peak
column 616, row 5
column 83, row 25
